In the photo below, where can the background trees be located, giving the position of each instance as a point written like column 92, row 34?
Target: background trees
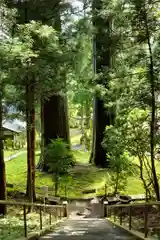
column 49, row 57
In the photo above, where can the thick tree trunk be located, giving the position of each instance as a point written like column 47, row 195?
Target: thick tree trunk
column 2, row 163
column 55, row 121
column 101, row 63
column 100, row 122
column 55, row 109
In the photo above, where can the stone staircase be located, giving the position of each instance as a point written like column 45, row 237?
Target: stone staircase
column 79, row 228
column 86, row 222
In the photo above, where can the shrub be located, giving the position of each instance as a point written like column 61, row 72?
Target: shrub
column 60, row 159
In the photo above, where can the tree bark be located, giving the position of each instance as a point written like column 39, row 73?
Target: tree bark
column 116, row 183
column 30, row 118
column 55, row 122
column 33, row 139
column 41, row 159
column 102, row 60
column 2, row 163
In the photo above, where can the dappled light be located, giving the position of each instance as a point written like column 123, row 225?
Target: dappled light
column 79, row 119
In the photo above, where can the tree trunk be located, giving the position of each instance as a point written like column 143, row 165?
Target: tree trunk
column 30, row 118
column 102, row 58
column 2, row 163
column 116, row 183
column 91, row 159
column 56, row 185
column 33, row 139
column 41, row 159
column 55, row 122
column 55, row 110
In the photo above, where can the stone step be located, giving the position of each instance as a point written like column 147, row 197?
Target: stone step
column 79, row 228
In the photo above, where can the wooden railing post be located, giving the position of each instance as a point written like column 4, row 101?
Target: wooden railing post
column 105, row 208
column 60, row 213
column 40, row 215
column 146, row 221
column 120, row 216
column 114, row 212
column 110, row 211
column 65, row 209
column 50, row 219
column 105, row 190
column 25, row 220
column 130, row 218
column 56, row 213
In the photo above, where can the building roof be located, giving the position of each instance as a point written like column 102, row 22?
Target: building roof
column 14, row 126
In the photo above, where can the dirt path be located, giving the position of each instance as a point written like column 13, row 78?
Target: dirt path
column 14, row 156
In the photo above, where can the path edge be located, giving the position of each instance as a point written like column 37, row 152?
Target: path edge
column 39, row 234
column 134, row 233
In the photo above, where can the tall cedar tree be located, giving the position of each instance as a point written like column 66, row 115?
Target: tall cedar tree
column 55, row 109
column 102, row 117
column 54, row 114
column 2, row 163
column 23, row 17
column 30, row 117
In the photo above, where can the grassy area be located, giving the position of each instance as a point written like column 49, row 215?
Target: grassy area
column 12, row 226
column 8, row 153
column 75, row 139
column 82, row 177
column 81, row 157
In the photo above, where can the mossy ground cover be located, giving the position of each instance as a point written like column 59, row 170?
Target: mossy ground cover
column 82, row 177
column 12, row 226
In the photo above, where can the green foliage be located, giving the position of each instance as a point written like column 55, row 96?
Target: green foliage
column 121, row 164
column 60, row 159
column 59, row 156
column 12, row 226
column 8, row 143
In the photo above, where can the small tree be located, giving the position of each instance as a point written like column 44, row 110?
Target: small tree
column 119, row 161
column 60, row 160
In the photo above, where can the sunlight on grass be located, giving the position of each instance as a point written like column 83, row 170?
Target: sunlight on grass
column 78, row 181
column 75, row 139
column 81, row 157
column 8, row 153
column 82, row 177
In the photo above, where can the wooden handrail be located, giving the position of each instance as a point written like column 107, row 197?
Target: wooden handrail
column 108, row 212
column 135, row 204
column 61, row 211
column 11, row 203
